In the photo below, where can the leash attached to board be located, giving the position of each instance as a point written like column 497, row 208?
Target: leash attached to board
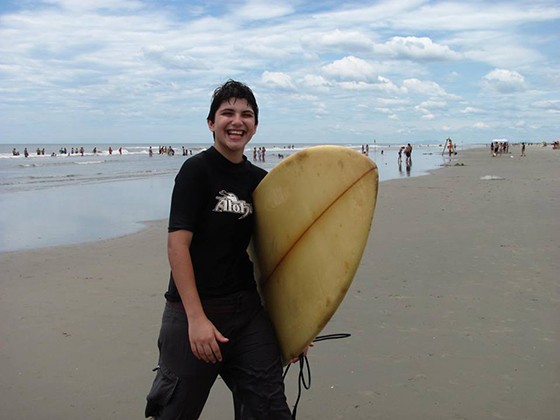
column 304, row 375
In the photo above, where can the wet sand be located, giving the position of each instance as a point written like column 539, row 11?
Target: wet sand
column 454, row 312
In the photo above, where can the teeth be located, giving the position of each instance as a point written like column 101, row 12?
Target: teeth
column 235, row 133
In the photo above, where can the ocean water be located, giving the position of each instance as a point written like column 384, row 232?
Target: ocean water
column 64, row 198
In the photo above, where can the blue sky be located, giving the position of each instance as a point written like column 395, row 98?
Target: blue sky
column 105, row 71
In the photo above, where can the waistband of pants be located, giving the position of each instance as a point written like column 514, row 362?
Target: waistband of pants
column 227, row 303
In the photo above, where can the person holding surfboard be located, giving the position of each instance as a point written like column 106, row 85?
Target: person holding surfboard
column 213, row 321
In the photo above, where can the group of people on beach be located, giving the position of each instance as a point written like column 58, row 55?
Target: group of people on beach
column 163, row 150
column 62, row 151
column 407, row 150
column 497, row 148
column 16, row 152
column 259, row 154
column 166, row 150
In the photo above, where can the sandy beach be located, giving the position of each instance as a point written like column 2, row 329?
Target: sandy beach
column 454, row 312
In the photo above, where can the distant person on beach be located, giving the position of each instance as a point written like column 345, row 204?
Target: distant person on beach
column 496, row 149
column 399, row 160
column 522, row 149
column 408, row 154
column 213, row 322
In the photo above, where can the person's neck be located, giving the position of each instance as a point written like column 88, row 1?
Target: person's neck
column 232, row 156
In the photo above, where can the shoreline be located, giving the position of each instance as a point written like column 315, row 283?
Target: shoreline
column 144, row 225
column 454, row 309
column 54, row 204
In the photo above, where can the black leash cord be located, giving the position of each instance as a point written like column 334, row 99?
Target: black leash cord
column 304, row 380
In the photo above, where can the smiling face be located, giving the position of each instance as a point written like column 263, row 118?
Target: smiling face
column 233, row 127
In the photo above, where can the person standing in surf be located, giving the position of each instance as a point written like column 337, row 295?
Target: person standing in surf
column 213, row 321
column 408, row 154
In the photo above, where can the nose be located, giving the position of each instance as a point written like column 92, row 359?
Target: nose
column 236, row 118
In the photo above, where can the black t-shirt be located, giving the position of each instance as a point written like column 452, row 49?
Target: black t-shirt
column 212, row 198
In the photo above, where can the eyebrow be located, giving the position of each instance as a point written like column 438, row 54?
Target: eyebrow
column 244, row 111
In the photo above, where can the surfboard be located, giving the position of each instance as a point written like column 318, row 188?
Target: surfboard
column 313, row 213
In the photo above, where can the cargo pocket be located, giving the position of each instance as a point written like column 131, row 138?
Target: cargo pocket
column 162, row 390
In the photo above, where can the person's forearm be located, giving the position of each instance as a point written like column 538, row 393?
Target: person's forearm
column 183, row 275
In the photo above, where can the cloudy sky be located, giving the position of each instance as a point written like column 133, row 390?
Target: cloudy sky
column 331, row 71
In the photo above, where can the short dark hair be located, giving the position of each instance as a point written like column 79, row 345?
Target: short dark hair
column 230, row 90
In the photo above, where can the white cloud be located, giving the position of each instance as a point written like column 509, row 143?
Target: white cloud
column 480, row 125
column 261, row 10
column 552, row 105
column 470, row 110
column 393, row 101
column 468, row 16
column 92, row 5
column 321, row 109
column 385, row 85
column 426, row 87
column 174, row 61
column 337, row 40
column 381, row 84
column 278, row 80
column 356, row 85
column 504, row 81
column 498, row 48
column 432, row 103
column 417, row 48
column 427, row 106
column 351, row 68
column 315, row 82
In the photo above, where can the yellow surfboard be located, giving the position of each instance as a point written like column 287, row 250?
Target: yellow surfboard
column 313, row 216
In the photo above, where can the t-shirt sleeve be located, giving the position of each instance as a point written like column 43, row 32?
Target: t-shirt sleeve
column 187, row 197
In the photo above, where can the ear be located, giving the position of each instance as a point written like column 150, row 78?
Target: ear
column 211, row 125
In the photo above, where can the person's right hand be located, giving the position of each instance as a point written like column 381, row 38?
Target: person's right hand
column 204, row 338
